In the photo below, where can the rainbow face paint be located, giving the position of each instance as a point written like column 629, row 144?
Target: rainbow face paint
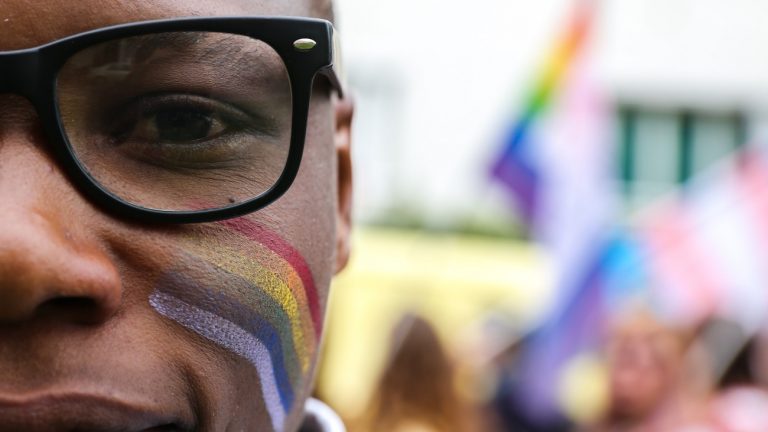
column 254, row 295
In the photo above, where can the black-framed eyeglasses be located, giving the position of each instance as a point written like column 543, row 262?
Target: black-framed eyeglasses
column 183, row 120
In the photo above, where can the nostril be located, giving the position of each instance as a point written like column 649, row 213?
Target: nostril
column 82, row 310
column 70, row 302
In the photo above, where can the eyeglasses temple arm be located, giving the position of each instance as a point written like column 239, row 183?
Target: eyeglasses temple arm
column 334, row 72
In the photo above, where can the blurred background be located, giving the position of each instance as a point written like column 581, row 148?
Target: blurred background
column 562, row 217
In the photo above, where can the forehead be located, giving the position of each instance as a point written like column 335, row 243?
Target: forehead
column 27, row 23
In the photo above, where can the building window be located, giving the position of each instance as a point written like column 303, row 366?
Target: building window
column 662, row 149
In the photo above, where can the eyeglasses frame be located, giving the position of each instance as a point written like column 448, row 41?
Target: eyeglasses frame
column 33, row 72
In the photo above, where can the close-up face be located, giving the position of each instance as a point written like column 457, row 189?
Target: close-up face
column 109, row 322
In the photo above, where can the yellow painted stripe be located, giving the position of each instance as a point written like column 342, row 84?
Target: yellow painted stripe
column 270, row 273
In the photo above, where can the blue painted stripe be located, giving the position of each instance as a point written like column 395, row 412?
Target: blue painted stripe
column 251, row 321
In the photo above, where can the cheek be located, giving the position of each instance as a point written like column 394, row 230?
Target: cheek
column 308, row 210
column 252, row 293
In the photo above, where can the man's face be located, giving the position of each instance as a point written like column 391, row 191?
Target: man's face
column 108, row 324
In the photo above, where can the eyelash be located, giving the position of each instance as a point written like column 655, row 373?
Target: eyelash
column 239, row 127
column 146, row 106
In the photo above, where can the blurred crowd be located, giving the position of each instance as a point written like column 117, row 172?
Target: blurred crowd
column 650, row 376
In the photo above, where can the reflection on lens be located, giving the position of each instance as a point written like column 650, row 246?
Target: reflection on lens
column 179, row 121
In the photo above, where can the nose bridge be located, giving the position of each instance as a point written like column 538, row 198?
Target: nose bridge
column 19, row 72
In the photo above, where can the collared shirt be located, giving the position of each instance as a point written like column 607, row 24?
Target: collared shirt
column 320, row 418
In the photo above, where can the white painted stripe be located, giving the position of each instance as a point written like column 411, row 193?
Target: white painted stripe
column 231, row 337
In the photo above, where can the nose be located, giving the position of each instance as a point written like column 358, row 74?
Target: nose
column 51, row 263
column 44, row 272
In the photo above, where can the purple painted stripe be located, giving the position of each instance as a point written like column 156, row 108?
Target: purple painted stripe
column 231, row 337
column 218, row 304
column 190, row 285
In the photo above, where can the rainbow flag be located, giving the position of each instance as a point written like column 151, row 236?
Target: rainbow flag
column 517, row 167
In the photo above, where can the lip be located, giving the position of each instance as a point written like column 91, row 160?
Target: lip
column 78, row 411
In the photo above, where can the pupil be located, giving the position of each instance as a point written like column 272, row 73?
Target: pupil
column 176, row 126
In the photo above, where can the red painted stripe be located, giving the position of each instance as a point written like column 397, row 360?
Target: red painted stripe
column 278, row 245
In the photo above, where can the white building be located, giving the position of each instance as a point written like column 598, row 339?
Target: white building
column 438, row 82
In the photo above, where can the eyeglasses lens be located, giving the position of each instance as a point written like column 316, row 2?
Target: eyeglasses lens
column 179, row 121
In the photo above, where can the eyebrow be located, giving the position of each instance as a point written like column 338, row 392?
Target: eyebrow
column 220, row 58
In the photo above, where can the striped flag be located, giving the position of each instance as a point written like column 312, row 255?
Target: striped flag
column 557, row 160
column 519, row 166
column 710, row 245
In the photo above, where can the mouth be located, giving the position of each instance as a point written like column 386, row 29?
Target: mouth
column 69, row 412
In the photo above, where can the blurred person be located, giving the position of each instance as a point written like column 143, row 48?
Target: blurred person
column 507, row 403
column 489, row 375
column 416, row 391
column 650, row 377
column 757, row 360
column 741, row 403
column 164, row 258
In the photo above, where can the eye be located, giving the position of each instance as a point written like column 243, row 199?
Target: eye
column 176, row 130
column 179, row 125
column 174, row 120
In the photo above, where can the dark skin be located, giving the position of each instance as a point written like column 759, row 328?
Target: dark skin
column 80, row 346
